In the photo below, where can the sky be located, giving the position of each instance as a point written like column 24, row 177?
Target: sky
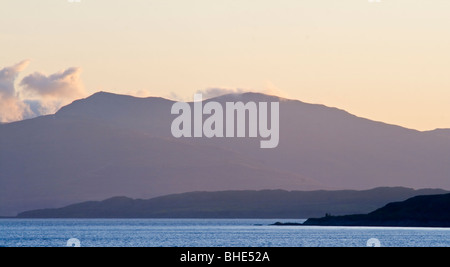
column 387, row 61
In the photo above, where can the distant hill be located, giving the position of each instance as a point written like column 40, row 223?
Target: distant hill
column 419, row 211
column 114, row 145
column 236, row 204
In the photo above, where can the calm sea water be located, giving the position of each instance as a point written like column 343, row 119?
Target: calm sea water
column 207, row 233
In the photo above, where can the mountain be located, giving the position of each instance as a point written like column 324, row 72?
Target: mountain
column 315, row 141
column 113, row 145
column 419, row 211
column 235, row 204
column 63, row 161
column 441, row 132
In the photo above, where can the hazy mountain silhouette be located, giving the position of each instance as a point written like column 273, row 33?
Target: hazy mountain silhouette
column 236, row 204
column 110, row 145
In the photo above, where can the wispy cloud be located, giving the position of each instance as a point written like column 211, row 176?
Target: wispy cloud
column 64, row 84
column 40, row 94
column 51, row 92
column 215, row 92
column 11, row 106
column 268, row 89
column 8, row 76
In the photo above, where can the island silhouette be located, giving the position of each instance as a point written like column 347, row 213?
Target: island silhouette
column 419, row 211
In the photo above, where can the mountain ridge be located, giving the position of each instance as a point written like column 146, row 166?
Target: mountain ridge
column 235, row 204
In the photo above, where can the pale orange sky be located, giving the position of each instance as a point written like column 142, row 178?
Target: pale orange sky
column 387, row 61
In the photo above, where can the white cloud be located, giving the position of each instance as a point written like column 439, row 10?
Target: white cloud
column 8, row 76
column 140, row 93
column 52, row 92
column 216, row 92
column 268, row 89
column 13, row 109
column 40, row 94
column 65, row 84
column 11, row 106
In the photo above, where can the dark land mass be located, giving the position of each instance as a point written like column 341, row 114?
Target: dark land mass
column 287, row 224
column 237, row 204
column 419, row 211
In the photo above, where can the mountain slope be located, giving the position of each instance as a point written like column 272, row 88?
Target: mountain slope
column 315, row 141
column 441, row 132
column 50, row 162
column 236, row 204
column 329, row 145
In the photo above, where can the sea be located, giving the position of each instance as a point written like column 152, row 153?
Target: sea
column 207, row 233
